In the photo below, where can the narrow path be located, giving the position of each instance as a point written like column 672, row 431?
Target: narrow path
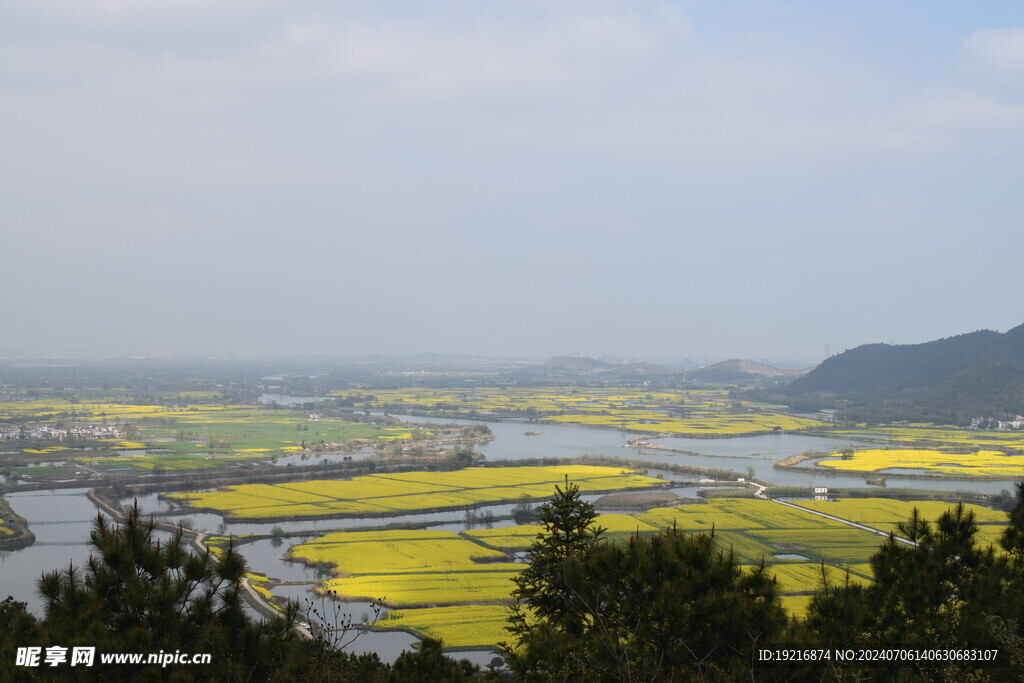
column 255, row 600
column 198, row 543
column 844, row 521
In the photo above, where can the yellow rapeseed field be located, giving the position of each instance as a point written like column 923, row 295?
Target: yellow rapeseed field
column 465, row 626
column 986, row 463
column 807, row 577
column 410, row 590
column 399, row 551
column 408, row 491
column 796, row 605
column 930, row 434
column 885, row 514
column 437, row 575
column 709, row 412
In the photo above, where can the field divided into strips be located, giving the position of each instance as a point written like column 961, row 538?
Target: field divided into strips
column 399, row 551
column 985, row 463
column 463, row 626
column 521, row 537
column 928, row 434
column 807, row 577
column 753, row 529
column 796, row 604
column 885, row 514
column 701, row 412
column 519, row 402
column 409, row 568
column 409, row 491
column 431, row 576
column 710, row 424
column 185, row 434
column 410, row 590
column 169, row 462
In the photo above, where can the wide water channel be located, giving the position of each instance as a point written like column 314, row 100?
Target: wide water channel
column 62, row 519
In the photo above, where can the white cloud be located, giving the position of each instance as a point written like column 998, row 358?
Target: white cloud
column 999, row 49
column 591, row 80
column 134, row 12
column 968, row 112
column 424, row 60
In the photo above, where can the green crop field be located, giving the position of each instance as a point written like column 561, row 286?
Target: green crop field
column 193, row 436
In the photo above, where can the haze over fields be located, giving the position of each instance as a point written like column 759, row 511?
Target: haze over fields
column 653, row 181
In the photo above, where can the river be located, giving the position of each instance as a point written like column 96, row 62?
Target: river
column 62, row 519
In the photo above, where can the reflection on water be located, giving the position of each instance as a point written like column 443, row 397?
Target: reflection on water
column 738, row 454
column 301, row 459
column 264, row 557
column 387, row 645
column 61, row 519
column 764, row 446
column 61, row 522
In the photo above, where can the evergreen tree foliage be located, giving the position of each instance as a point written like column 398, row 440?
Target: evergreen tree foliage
column 944, row 590
column 548, row 582
column 429, row 665
column 668, row 606
column 137, row 594
column 1013, row 536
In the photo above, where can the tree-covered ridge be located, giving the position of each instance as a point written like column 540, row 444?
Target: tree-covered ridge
column 947, row 380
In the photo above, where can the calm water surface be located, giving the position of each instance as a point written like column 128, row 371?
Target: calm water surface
column 62, row 519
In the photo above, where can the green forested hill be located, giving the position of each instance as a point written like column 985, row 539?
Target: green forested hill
column 947, row 380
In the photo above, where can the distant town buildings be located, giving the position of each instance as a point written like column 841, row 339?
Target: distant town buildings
column 998, row 425
column 49, row 432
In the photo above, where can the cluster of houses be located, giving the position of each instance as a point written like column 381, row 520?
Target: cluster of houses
column 52, row 432
column 991, row 423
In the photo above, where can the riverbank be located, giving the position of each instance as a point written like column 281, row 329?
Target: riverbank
column 21, row 536
column 187, row 508
column 637, row 500
column 972, row 497
column 880, row 473
column 642, row 434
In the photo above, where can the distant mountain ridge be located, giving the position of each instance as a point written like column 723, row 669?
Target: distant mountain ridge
column 736, row 370
column 584, row 366
column 979, row 373
column 726, row 371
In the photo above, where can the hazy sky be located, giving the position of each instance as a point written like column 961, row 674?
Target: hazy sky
column 650, row 180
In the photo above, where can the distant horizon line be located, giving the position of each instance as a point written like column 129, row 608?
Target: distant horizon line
column 682, row 362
